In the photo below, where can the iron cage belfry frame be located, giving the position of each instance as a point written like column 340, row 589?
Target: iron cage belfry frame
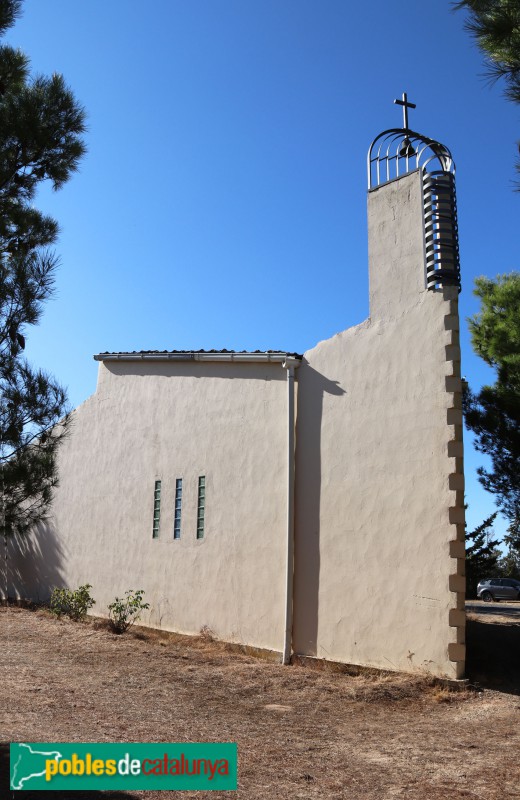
column 399, row 151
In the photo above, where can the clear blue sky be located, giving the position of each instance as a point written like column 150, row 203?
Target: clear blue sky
column 222, row 203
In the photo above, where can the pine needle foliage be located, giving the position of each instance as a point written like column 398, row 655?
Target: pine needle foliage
column 41, row 130
column 493, row 413
column 509, row 565
column 495, row 26
column 481, row 554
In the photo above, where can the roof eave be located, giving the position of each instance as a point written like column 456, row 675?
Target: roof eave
column 275, row 358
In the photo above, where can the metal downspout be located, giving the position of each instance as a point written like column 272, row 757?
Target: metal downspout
column 289, row 364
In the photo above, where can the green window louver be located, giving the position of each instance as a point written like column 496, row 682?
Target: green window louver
column 156, row 509
column 178, row 509
column 201, row 506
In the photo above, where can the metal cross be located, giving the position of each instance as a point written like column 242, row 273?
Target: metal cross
column 406, row 105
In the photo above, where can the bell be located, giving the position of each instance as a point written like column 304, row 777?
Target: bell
column 407, row 149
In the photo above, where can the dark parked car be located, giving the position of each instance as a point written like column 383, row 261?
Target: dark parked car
column 499, row 589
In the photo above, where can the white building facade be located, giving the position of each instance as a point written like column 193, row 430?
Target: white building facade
column 302, row 504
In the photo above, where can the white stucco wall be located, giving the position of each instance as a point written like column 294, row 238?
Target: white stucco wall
column 162, row 421
column 374, row 459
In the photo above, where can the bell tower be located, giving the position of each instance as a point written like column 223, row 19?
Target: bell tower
column 415, row 272
column 401, row 151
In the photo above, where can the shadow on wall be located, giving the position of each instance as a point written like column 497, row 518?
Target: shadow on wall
column 34, row 564
column 204, row 369
column 6, row 793
column 312, row 387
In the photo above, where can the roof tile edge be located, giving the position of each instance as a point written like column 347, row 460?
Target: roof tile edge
column 274, row 356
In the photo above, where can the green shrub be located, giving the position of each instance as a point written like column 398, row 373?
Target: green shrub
column 124, row 611
column 74, row 603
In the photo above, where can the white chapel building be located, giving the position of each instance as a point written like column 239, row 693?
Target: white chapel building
column 308, row 504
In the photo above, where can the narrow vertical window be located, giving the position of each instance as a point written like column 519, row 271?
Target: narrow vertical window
column 178, row 508
column 201, row 507
column 156, row 509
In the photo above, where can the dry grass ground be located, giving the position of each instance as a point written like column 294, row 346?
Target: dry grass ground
column 301, row 732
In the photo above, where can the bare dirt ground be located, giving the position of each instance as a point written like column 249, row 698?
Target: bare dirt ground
column 301, row 732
